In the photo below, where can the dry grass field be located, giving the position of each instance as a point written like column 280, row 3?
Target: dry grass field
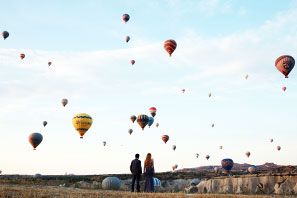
column 11, row 191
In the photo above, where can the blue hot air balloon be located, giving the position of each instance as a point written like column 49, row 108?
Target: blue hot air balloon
column 227, row 164
column 150, row 121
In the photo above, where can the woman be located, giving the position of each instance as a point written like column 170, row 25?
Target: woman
column 149, row 172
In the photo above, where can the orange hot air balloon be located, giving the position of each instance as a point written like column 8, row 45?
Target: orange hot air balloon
column 285, row 64
column 132, row 62
column 142, row 120
column 170, row 46
column 165, row 138
column 22, row 56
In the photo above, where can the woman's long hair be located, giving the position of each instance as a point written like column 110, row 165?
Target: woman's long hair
column 148, row 161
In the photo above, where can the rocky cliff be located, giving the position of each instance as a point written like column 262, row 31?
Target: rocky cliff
column 248, row 184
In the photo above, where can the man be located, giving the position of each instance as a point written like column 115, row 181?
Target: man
column 136, row 171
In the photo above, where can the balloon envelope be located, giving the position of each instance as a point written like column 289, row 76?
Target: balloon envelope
column 82, row 122
column 207, row 157
column 35, row 139
column 64, row 102
column 5, row 34
column 44, row 123
column 252, row 169
column 150, row 121
column 142, row 120
column 248, row 154
column 130, row 131
column 133, row 118
column 170, row 46
column 165, row 138
column 174, row 147
column 153, row 111
column 127, row 39
column 227, row 164
column 285, row 64
column 22, row 56
column 126, row 17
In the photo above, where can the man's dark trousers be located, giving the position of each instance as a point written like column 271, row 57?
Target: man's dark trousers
column 136, row 179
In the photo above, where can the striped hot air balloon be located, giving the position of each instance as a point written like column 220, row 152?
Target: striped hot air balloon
column 142, row 120
column 165, row 138
column 153, row 111
column 285, row 64
column 82, row 122
column 22, row 56
column 170, row 46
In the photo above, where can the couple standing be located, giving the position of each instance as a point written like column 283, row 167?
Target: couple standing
column 148, row 171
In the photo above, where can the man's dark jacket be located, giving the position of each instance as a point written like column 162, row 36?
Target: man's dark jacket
column 135, row 167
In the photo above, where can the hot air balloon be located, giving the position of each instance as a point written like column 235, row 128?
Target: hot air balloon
column 125, row 17
column 5, row 34
column 157, row 182
column 133, row 118
column 285, row 64
column 197, row 155
column 111, row 183
column 284, row 88
column 216, row 170
column 209, row 94
column 183, row 90
column 130, row 131
column 44, row 123
column 132, row 62
column 221, row 147
column 127, row 39
column 142, row 120
column 174, row 147
column 165, row 138
column 157, row 125
column 64, row 102
column 170, row 46
column 104, row 143
column 151, row 121
column 35, row 139
column 207, row 157
column 248, row 154
column 174, row 167
column 252, row 169
column 82, row 122
column 212, row 125
column 278, row 148
column 49, row 63
column 271, row 140
column 246, row 77
column 22, row 56
column 227, row 164
column 153, row 111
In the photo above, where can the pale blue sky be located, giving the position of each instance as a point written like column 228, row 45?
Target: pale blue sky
column 218, row 43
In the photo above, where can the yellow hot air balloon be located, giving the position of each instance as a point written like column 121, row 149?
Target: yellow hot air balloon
column 82, row 122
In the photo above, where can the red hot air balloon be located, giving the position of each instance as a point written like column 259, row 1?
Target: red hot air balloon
column 133, row 118
column 132, row 62
column 285, row 64
column 153, row 111
column 142, row 120
column 22, row 56
column 284, row 88
column 170, row 46
column 125, row 17
column 165, row 138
